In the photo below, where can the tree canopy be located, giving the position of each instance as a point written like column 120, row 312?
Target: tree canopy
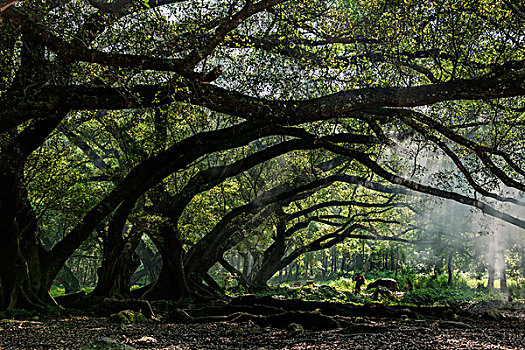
column 204, row 124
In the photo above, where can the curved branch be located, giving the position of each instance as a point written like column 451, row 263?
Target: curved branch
column 412, row 185
column 503, row 81
column 247, row 11
column 90, row 153
column 334, row 238
column 70, row 52
column 387, row 204
column 289, row 112
column 149, row 173
column 207, row 179
column 481, row 151
column 455, row 159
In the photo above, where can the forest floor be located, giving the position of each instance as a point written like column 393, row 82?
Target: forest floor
column 505, row 331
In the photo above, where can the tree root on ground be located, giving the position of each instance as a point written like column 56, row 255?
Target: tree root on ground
column 309, row 320
column 269, row 311
column 84, row 301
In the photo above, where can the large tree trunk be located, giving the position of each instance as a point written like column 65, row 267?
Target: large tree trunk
column 172, row 283
column 22, row 284
column 272, row 257
column 152, row 261
column 116, row 271
column 119, row 258
column 18, row 290
column 26, row 271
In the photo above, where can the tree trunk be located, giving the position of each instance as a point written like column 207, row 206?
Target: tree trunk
column 492, row 258
column 272, row 256
column 449, row 268
column 503, row 272
column 152, row 262
column 397, row 260
column 23, row 284
column 334, row 260
column 245, row 263
column 172, row 283
column 364, row 260
column 392, row 259
column 17, row 287
column 490, row 281
column 119, row 258
column 306, row 267
column 116, row 271
column 437, row 268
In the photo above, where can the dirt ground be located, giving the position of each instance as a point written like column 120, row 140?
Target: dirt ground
column 76, row 332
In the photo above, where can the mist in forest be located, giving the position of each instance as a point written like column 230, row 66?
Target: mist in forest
column 497, row 236
column 452, row 228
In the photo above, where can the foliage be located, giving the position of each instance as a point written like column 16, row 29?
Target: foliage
column 210, row 126
column 310, row 292
column 439, row 296
column 426, row 291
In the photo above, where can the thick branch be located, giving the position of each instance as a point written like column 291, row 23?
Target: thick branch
column 152, row 171
column 231, row 269
column 483, row 152
column 4, row 5
column 409, row 184
column 506, row 83
column 71, row 52
column 334, row 238
column 92, row 155
column 459, row 164
column 207, row 179
column 220, row 33
column 114, row 6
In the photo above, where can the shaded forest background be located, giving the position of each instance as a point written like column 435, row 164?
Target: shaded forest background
column 164, row 149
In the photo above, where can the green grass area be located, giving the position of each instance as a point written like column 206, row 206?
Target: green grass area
column 428, row 291
column 57, row 291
